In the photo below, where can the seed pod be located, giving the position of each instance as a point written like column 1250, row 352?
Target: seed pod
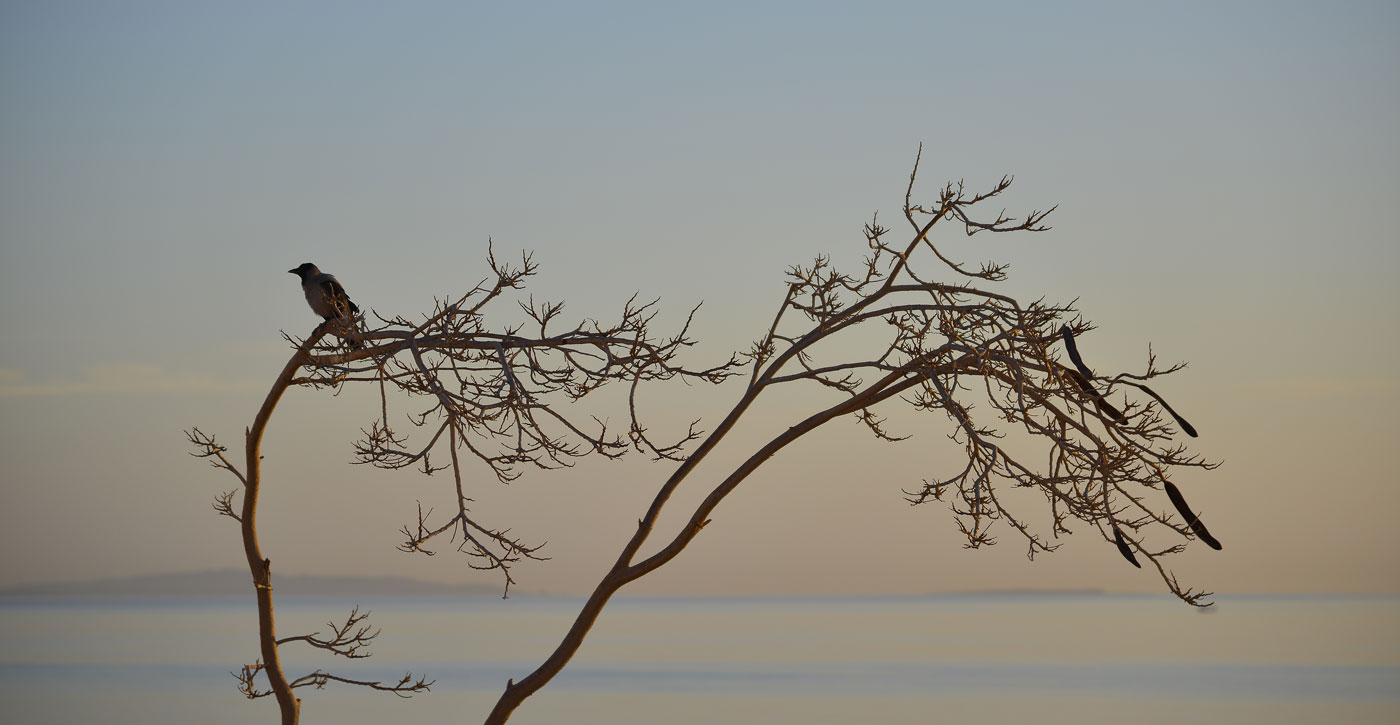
column 1187, row 428
column 1192, row 520
column 1123, row 547
column 1102, row 404
column 1074, row 352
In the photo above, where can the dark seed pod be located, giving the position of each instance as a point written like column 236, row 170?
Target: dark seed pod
column 1102, row 404
column 1074, row 352
column 1187, row 428
column 1123, row 547
column 1192, row 520
column 1085, row 374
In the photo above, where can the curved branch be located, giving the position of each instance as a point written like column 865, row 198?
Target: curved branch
column 258, row 565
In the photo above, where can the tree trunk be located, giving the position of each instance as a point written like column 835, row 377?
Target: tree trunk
column 258, row 565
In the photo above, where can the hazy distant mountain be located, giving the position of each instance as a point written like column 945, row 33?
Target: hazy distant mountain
column 237, row 582
column 1025, row 592
column 234, row 582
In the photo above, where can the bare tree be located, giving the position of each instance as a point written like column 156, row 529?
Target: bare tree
column 498, row 400
column 948, row 344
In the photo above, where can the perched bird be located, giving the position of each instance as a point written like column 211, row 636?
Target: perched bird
column 326, row 296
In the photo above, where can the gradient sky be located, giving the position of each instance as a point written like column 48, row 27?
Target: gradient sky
column 1226, row 175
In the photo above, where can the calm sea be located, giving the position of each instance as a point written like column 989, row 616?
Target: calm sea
column 1079, row 659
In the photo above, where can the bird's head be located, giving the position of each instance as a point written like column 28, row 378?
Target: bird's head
column 305, row 271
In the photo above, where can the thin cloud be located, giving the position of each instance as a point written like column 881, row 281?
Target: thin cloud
column 1319, row 387
column 118, row 379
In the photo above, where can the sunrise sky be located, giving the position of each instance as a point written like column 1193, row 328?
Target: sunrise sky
column 1226, row 175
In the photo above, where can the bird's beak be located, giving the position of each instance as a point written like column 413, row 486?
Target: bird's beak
column 291, row 271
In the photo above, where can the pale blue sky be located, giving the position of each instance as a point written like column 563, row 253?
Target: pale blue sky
column 1225, row 175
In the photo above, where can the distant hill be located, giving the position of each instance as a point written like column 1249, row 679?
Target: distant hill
column 235, row 582
column 1024, row 592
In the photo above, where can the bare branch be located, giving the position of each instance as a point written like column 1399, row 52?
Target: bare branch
column 406, row 687
column 246, row 685
column 207, row 447
column 223, row 503
column 495, row 398
column 348, row 640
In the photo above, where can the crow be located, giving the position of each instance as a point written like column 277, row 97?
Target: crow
column 327, row 297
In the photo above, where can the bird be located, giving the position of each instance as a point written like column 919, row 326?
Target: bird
column 326, row 296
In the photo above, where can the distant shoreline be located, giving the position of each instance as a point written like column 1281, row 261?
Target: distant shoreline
column 235, row 582
column 230, row 583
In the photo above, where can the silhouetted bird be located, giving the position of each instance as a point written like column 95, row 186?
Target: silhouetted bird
column 326, row 296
